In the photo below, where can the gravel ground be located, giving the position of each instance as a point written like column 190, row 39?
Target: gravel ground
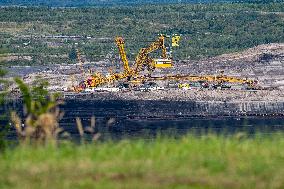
column 187, row 95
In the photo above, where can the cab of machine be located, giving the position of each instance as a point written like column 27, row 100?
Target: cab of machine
column 163, row 63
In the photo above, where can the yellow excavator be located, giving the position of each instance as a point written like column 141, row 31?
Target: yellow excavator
column 99, row 79
column 218, row 79
column 120, row 45
column 144, row 61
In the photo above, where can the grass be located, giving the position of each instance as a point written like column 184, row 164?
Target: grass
column 190, row 162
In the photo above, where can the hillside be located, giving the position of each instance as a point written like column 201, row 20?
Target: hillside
column 86, row 3
column 41, row 35
column 80, row 3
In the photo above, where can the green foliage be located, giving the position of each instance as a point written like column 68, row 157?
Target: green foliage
column 85, row 3
column 209, row 161
column 37, row 100
column 17, row 63
column 3, row 134
column 207, row 29
column 3, row 93
column 3, row 50
column 2, row 72
column 73, row 54
column 27, row 98
column 41, row 114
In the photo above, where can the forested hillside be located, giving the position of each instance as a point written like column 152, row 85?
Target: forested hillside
column 206, row 29
column 79, row 3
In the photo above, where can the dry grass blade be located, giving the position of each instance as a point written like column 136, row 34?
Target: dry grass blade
column 240, row 135
column 110, row 122
column 93, row 122
column 41, row 114
column 96, row 137
column 89, row 129
column 66, row 135
column 17, row 122
column 80, row 126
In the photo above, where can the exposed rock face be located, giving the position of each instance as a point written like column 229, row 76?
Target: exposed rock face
column 186, row 95
column 157, row 108
column 86, row 108
column 241, row 108
column 187, row 103
column 203, row 108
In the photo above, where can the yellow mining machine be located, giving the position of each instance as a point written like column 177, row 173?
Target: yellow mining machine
column 143, row 61
column 97, row 79
column 216, row 79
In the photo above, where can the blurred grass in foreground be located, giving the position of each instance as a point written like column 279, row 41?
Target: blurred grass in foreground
column 199, row 162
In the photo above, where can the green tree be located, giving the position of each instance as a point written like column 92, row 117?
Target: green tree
column 3, row 117
column 73, row 54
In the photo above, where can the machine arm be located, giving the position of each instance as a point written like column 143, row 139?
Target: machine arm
column 120, row 45
column 143, row 58
column 159, row 44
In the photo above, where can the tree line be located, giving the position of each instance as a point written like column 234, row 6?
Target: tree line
column 207, row 29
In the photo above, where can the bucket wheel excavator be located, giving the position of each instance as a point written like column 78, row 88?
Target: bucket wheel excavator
column 144, row 62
